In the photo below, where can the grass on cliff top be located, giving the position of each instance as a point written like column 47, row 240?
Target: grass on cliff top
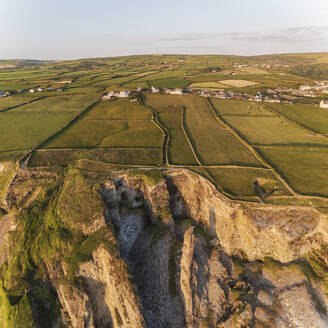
column 137, row 156
column 50, row 229
column 304, row 168
column 151, row 177
column 239, row 182
column 7, row 170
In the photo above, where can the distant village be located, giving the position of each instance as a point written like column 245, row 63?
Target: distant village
column 278, row 95
column 275, row 95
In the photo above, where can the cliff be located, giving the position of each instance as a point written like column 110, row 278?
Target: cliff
column 153, row 248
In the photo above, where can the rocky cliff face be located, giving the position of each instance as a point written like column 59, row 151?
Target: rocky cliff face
column 151, row 248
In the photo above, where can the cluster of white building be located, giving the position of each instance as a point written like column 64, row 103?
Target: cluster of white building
column 175, row 91
column 324, row 104
column 40, row 90
column 311, row 90
column 120, row 94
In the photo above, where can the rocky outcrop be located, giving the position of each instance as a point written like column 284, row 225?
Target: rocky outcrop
column 165, row 249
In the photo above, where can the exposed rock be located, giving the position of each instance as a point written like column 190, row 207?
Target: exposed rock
column 174, row 252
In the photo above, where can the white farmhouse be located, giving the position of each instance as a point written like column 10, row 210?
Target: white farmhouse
column 154, row 90
column 324, row 104
column 123, row 94
column 176, row 91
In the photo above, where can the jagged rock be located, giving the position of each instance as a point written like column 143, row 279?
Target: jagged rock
column 177, row 253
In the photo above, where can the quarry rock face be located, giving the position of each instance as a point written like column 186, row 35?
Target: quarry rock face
column 166, row 249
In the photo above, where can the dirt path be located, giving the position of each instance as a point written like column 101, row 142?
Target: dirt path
column 165, row 132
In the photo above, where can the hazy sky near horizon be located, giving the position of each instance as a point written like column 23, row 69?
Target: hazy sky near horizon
column 68, row 29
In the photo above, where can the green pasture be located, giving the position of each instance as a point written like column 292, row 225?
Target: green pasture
column 108, row 133
column 213, row 142
column 57, row 104
column 305, row 168
column 269, row 130
column 179, row 150
column 169, row 83
column 237, row 107
column 126, row 156
column 120, row 109
column 12, row 101
column 239, row 182
column 308, row 116
column 26, row 130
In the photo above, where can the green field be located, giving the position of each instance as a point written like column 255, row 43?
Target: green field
column 137, row 156
column 213, row 142
column 12, row 101
column 59, row 104
column 118, row 110
column 169, row 83
column 305, row 168
column 26, row 130
column 239, row 108
column 211, row 85
column 309, row 116
column 179, row 150
column 199, row 135
column 109, row 133
column 273, row 130
column 239, row 182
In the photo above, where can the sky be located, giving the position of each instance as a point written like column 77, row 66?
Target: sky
column 70, row 29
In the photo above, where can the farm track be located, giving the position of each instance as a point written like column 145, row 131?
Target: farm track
column 165, row 132
column 183, row 114
column 20, row 105
column 252, row 150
